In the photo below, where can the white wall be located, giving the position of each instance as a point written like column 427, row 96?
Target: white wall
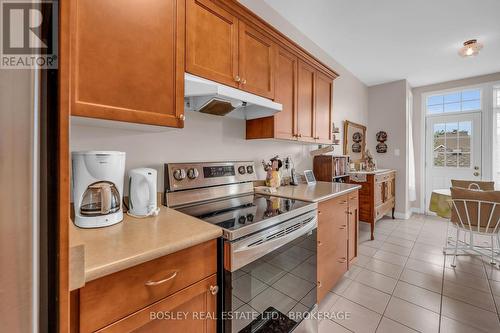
column 419, row 126
column 211, row 138
column 387, row 111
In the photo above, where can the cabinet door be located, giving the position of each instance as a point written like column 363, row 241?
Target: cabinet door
column 257, row 60
column 211, row 42
column 323, row 108
column 286, row 94
column 127, row 60
column 194, row 307
column 305, row 111
column 332, row 243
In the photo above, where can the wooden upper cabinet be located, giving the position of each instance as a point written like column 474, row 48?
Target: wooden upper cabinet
column 127, row 60
column 211, row 42
column 286, row 94
column 257, row 55
column 305, row 113
column 323, row 108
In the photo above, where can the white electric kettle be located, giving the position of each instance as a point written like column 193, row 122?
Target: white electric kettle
column 142, row 193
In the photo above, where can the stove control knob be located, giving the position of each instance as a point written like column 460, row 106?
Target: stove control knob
column 250, row 169
column 193, row 173
column 242, row 220
column 250, row 217
column 179, row 174
column 241, row 170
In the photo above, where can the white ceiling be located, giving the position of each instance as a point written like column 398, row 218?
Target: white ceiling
column 386, row 40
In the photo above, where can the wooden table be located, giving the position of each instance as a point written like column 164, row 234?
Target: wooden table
column 440, row 203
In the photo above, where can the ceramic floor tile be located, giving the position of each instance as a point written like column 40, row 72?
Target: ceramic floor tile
column 412, row 315
column 390, row 326
column 495, row 287
column 393, row 248
column 272, row 297
column 427, row 248
column 362, row 260
column 449, row 325
column 293, row 286
column 424, row 267
column 419, row 296
column 435, row 259
column 493, row 273
column 377, row 281
column 367, row 250
column 243, row 317
column 426, row 281
column 328, row 326
column 404, row 235
column 470, row 315
column 385, row 268
column 376, row 244
column 307, row 271
column 370, row 298
column 353, row 271
column 310, row 299
column 298, row 311
column 390, row 257
column 360, row 319
column 400, row 241
column 469, row 295
column 298, row 253
column 467, row 279
column 284, row 262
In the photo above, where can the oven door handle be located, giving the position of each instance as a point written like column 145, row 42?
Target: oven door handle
column 248, row 250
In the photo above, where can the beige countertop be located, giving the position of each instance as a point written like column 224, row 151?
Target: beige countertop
column 95, row 253
column 313, row 193
column 370, row 172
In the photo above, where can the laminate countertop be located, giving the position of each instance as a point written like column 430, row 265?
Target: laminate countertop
column 95, row 253
column 320, row 191
column 374, row 172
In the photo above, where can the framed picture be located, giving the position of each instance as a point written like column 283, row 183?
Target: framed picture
column 310, row 179
column 354, row 141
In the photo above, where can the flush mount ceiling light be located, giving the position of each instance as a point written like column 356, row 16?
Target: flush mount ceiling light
column 470, row 48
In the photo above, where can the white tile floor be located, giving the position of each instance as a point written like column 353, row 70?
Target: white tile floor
column 402, row 282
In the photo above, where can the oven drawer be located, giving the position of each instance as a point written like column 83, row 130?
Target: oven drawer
column 103, row 301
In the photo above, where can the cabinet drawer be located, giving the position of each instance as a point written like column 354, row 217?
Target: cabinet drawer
column 383, row 208
column 384, row 177
column 115, row 296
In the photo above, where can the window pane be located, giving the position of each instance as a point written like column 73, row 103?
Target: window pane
column 451, row 160
column 471, row 105
column 438, row 159
column 449, row 98
column 438, row 145
column 435, row 109
column 468, row 95
column 464, row 160
column 464, row 136
column 433, row 100
column 452, row 107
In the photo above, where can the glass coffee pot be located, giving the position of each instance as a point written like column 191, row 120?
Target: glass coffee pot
column 100, row 198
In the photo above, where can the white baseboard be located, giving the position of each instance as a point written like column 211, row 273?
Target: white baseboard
column 417, row 210
column 400, row 215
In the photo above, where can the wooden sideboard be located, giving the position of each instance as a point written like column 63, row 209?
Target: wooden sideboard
column 377, row 196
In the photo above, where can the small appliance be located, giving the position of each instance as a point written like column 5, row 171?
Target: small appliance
column 98, row 187
column 142, row 193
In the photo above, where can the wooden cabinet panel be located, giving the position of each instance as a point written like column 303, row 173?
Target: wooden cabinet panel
column 257, row 61
column 332, row 243
column 353, row 227
column 211, row 42
column 305, row 113
column 379, row 193
column 127, row 60
column 192, row 302
column 323, row 108
column 112, row 297
column 286, row 94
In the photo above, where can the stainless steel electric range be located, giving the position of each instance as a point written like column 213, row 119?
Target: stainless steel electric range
column 268, row 252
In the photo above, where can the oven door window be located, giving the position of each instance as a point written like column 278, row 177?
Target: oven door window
column 275, row 292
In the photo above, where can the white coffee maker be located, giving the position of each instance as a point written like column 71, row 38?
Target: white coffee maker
column 98, row 187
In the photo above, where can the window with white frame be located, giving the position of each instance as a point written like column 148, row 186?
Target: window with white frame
column 457, row 101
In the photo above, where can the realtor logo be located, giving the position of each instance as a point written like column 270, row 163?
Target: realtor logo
column 28, row 34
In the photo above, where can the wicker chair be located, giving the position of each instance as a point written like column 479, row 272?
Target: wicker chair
column 472, row 184
column 476, row 212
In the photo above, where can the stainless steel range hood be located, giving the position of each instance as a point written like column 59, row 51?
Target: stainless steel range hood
column 210, row 97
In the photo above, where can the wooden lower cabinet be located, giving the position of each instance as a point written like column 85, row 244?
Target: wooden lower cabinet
column 192, row 309
column 353, row 227
column 377, row 197
column 126, row 301
column 332, row 243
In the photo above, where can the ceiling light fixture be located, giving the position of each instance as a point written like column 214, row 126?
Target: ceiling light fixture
column 470, row 48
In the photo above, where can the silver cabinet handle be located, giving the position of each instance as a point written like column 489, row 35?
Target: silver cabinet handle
column 155, row 283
